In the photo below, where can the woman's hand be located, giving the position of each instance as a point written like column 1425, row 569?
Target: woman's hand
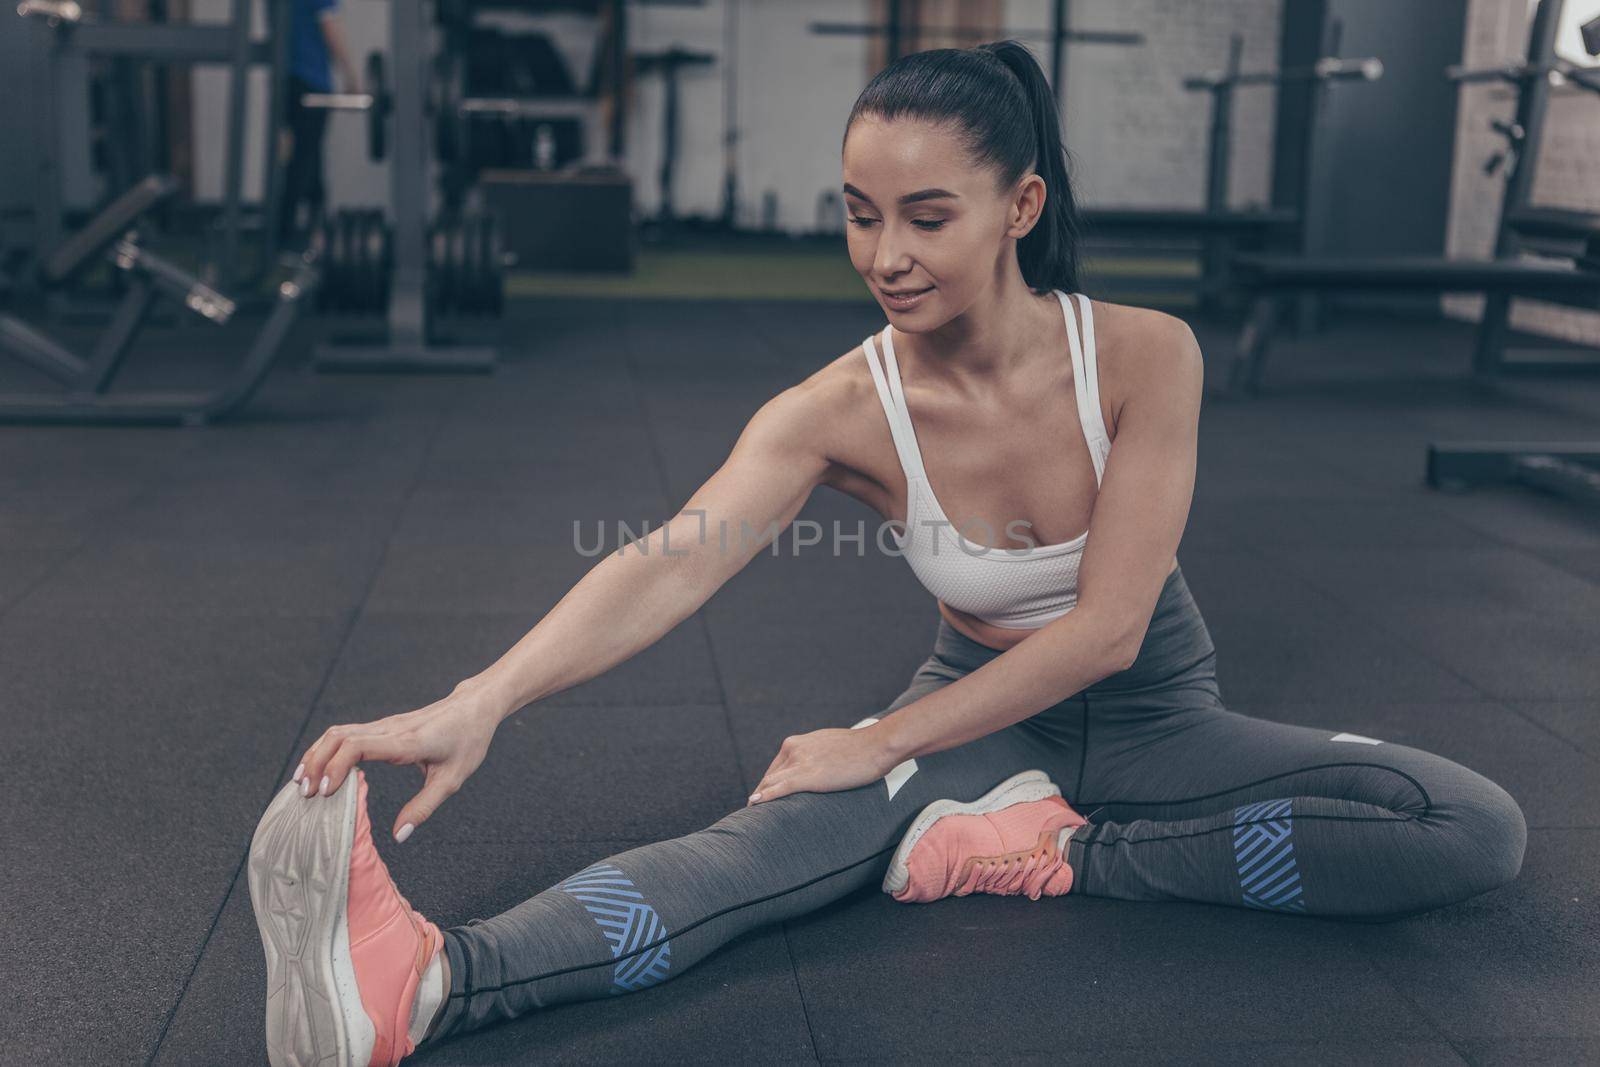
column 825, row 761
column 447, row 739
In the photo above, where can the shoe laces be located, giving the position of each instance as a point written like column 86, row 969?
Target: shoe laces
column 1011, row 874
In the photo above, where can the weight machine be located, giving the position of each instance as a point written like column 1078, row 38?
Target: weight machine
column 1570, row 467
column 1223, row 232
column 87, row 399
column 1577, row 283
column 404, row 269
column 464, row 272
column 69, row 37
column 414, row 272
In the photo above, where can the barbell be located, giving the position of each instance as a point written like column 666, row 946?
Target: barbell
column 376, row 102
column 448, row 106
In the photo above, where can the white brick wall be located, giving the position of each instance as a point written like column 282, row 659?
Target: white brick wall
column 1137, row 137
column 1568, row 172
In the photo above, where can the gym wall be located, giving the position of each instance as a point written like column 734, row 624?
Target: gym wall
column 1497, row 31
column 1137, row 137
column 793, row 91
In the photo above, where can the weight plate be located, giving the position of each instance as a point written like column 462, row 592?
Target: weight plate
column 378, row 114
column 372, row 261
column 356, row 289
column 458, row 265
column 431, row 295
column 480, row 266
column 484, row 271
column 325, row 265
column 497, row 271
column 358, row 261
column 385, row 263
column 445, row 274
column 469, row 254
column 341, row 259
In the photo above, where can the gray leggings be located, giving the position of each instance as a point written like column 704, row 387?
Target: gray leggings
column 1186, row 800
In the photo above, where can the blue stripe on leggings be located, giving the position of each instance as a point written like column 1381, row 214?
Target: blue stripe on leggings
column 1264, row 850
column 627, row 922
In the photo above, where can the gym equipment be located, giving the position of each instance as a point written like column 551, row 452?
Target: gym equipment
column 410, row 274
column 376, row 102
column 1266, row 277
column 1569, row 468
column 87, row 399
column 668, row 63
column 509, row 101
column 1221, row 86
column 575, row 220
column 465, row 268
column 1222, row 231
column 897, row 27
column 452, row 114
column 70, row 37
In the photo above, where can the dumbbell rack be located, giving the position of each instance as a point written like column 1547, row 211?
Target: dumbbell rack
column 410, row 345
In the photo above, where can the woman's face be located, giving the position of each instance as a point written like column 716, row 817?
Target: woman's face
column 921, row 219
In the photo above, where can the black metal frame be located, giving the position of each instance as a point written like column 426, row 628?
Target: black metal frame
column 62, row 42
column 88, row 380
column 1266, row 278
column 1223, row 233
column 1569, row 468
column 410, row 344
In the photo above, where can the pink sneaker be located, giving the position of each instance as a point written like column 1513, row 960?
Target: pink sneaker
column 345, row 951
column 1009, row 841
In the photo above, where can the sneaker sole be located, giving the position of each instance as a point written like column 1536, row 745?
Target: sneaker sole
column 299, row 877
column 1018, row 789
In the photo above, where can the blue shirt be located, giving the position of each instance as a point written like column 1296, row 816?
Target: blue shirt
column 308, row 52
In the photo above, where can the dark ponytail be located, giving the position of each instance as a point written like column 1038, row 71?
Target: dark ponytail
column 998, row 97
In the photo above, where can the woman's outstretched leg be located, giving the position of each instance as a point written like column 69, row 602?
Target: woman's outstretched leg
column 641, row 917
column 1211, row 805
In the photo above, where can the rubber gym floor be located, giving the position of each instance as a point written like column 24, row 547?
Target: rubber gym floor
column 183, row 611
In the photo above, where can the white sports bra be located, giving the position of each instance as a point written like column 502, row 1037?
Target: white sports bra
column 1016, row 588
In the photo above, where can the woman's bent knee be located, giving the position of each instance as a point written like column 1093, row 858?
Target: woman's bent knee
column 1460, row 849
column 1499, row 834
column 1480, row 849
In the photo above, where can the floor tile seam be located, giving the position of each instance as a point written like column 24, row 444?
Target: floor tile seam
column 440, row 417
column 703, row 624
column 1399, row 637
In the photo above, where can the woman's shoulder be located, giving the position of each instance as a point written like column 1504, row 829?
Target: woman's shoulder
column 841, row 383
column 1135, row 346
column 830, row 404
column 1132, row 326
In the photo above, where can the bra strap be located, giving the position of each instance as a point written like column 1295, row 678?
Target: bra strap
column 893, row 401
column 1085, row 372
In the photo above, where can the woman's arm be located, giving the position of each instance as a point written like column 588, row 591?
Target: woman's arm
column 333, row 35
column 1134, row 532
column 631, row 598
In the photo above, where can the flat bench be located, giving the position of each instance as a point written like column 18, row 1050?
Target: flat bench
column 1268, row 277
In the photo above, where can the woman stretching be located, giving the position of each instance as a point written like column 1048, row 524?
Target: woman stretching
column 1041, row 447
